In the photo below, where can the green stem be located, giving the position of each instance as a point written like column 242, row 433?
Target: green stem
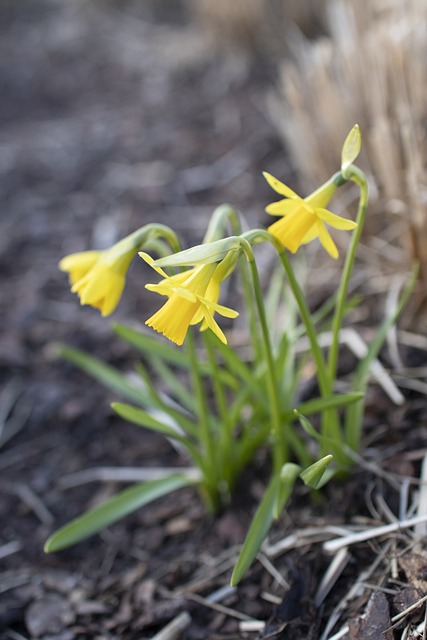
column 225, row 434
column 256, row 236
column 222, row 214
column 206, row 439
column 355, row 175
column 322, row 373
column 251, row 312
column 280, row 445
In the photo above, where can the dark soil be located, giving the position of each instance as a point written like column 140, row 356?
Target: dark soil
column 114, row 115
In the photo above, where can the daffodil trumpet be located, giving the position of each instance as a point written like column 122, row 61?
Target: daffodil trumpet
column 304, row 219
column 98, row 277
column 192, row 299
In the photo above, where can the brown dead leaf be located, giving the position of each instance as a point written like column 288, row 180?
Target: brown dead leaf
column 48, row 615
column 414, row 565
column 376, row 623
column 406, row 598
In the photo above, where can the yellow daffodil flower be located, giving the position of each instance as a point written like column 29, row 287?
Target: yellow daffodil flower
column 98, row 277
column 303, row 219
column 192, row 298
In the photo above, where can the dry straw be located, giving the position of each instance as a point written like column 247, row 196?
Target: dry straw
column 369, row 69
column 345, row 62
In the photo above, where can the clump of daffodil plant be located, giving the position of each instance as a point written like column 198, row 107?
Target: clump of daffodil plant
column 222, row 403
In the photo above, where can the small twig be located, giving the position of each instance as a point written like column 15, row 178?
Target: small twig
column 354, row 589
column 32, row 500
column 339, row 634
column 424, row 623
column 175, row 627
column 333, row 545
column 9, row 548
column 302, row 537
column 28, row 449
column 216, row 570
column 332, row 574
column 272, row 571
column 218, row 607
column 12, row 579
column 421, row 529
column 250, row 626
column 359, row 348
column 397, row 618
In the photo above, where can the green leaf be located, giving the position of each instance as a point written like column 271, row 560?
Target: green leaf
column 176, row 390
column 164, row 403
column 235, row 365
column 258, row 529
column 288, row 474
column 151, row 345
column 143, row 419
column 278, row 490
column 103, row 373
column 155, row 349
column 114, row 509
column 308, row 427
column 318, row 405
column 312, row 476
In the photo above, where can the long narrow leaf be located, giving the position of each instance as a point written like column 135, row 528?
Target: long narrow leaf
column 114, row 509
column 151, row 345
column 318, row 405
column 143, row 419
column 241, row 370
column 176, row 389
column 154, row 350
column 166, row 404
column 278, row 492
column 258, row 529
column 103, row 373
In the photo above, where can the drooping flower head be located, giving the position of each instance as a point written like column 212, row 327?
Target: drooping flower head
column 192, row 298
column 303, row 219
column 98, row 277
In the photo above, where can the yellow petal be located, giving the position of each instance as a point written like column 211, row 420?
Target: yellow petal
column 214, row 327
column 335, row 221
column 327, row 241
column 111, row 300
column 282, row 207
column 149, row 260
column 219, row 308
column 78, row 264
column 292, row 229
column 165, row 288
column 310, row 235
column 279, row 187
column 322, row 195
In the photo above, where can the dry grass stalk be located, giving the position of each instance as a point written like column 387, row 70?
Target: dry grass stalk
column 255, row 24
column 371, row 70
